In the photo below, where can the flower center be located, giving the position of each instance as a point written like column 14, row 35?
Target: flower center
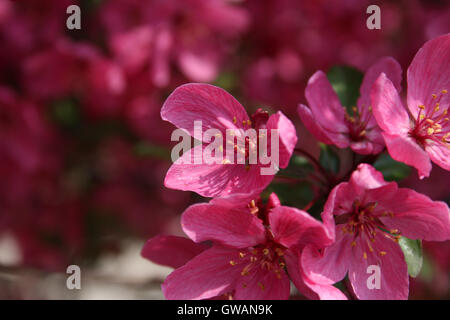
column 364, row 223
column 269, row 257
column 357, row 122
column 432, row 123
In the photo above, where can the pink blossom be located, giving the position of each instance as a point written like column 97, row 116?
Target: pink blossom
column 255, row 251
column 416, row 134
column 367, row 216
column 328, row 120
column 196, row 35
column 217, row 109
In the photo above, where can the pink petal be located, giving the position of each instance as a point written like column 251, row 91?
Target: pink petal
column 330, row 266
column 325, row 106
column 394, row 281
column 362, row 147
column 160, row 68
column 307, row 287
column 367, row 177
column 293, row 227
column 208, row 275
column 406, row 150
column 429, row 73
column 417, row 216
column 171, row 251
column 211, row 180
column 311, row 124
column 200, row 62
column 387, row 107
column 386, row 65
column 262, row 284
column 439, row 154
column 225, row 225
column 215, row 107
column 287, row 135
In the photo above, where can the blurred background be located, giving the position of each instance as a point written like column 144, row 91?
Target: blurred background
column 84, row 152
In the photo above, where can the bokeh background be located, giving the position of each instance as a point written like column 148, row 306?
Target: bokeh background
column 83, row 150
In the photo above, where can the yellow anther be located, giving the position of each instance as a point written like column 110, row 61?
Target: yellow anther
column 234, row 120
column 434, row 96
column 249, row 122
column 353, row 243
column 372, row 206
column 382, row 253
column 430, row 131
column 241, row 255
column 421, row 106
column 233, row 263
column 260, row 285
column 444, row 91
column 279, row 252
column 362, row 133
column 422, row 116
column 364, row 255
column 226, row 161
column 266, row 251
column 282, row 264
column 244, row 272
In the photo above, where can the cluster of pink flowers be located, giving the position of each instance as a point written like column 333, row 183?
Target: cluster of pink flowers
column 241, row 247
column 84, row 153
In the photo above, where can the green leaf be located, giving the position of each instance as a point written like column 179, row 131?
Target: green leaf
column 329, row 159
column 412, row 249
column 144, row 149
column 392, row 170
column 66, row 113
column 346, row 82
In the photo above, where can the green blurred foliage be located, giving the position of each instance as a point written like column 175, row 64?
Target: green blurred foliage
column 412, row 249
column 346, row 82
column 329, row 159
column 392, row 170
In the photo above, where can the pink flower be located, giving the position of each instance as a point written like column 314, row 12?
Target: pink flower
column 195, row 35
column 421, row 132
column 368, row 215
column 253, row 247
column 217, row 109
column 328, row 120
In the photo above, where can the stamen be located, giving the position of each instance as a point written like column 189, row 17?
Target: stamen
column 261, row 286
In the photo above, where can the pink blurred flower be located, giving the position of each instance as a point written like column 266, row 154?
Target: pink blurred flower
column 217, row 109
column 196, row 34
column 252, row 246
column 368, row 215
column 328, row 120
column 129, row 189
column 416, row 134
